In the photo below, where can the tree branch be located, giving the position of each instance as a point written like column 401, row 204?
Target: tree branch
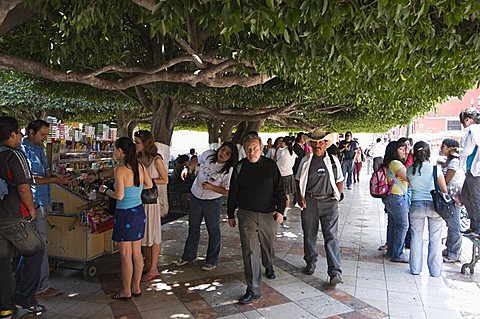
column 38, row 69
column 147, row 4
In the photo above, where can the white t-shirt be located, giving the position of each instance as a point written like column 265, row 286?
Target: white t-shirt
column 210, row 172
column 285, row 161
column 459, row 176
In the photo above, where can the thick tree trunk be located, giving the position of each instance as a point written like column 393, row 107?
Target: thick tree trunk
column 164, row 118
column 213, row 130
column 226, row 131
column 123, row 121
column 244, row 128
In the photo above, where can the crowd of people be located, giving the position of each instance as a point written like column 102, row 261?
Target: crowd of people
column 261, row 185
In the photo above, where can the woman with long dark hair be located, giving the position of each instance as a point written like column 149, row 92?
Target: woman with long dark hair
column 208, row 189
column 396, row 201
column 420, row 176
column 129, row 219
column 148, row 155
column 454, row 178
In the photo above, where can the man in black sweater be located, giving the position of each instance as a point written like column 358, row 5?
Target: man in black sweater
column 256, row 190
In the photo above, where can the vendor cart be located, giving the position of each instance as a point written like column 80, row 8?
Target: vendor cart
column 80, row 231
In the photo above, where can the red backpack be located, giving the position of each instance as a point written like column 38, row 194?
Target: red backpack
column 379, row 186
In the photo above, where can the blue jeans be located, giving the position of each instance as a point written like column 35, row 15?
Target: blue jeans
column 347, row 169
column 22, row 235
column 210, row 210
column 397, row 210
column 454, row 237
column 419, row 211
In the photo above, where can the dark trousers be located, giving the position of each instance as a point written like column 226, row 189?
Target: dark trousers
column 255, row 229
column 21, row 235
column 210, row 210
column 324, row 212
column 471, row 199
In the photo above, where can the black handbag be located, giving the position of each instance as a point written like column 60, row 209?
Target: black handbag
column 150, row 195
column 444, row 204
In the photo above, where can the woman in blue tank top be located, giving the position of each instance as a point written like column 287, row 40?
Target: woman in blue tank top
column 129, row 218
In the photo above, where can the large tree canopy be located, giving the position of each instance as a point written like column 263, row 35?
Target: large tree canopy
column 368, row 65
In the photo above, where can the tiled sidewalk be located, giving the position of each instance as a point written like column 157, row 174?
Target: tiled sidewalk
column 374, row 287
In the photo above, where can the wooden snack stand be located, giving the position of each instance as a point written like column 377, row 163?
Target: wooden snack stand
column 71, row 241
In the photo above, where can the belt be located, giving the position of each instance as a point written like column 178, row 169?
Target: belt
column 318, row 196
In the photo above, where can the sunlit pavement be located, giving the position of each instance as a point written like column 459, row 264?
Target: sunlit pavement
column 373, row 286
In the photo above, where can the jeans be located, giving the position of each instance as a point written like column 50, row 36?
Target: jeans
column 326, row 213
column 397, row 210
column 23, row 236
column 41, row 222
column 347, row 169
column 471, row 199
column 210, row 210
column 418, row 212
column 454, row 237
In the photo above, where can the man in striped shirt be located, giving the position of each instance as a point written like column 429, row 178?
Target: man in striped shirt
column 17, row 225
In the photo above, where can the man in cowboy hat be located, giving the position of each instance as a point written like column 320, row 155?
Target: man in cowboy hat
column 319, row 188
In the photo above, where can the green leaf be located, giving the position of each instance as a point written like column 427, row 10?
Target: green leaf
column 325, row 6
column 270, row 4
column 286, row 36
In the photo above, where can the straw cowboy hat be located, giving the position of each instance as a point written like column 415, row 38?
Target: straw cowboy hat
column 319, row 135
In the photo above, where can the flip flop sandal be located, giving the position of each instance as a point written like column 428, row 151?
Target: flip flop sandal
column 136, row 295
column 118, row 297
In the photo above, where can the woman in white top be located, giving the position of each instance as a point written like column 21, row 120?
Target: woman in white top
column 285, row 160
column 208, row 189
column 454, row 177
column 273, row 150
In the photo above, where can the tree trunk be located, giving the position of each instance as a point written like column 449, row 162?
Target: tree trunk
column 213, row 130
column 122, row 123
column 226, row 131
column 164, row 118
column 244, row 128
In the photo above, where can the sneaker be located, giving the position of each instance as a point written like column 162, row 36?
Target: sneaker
column 6, row 314
column 450, row 260
column 37, row 309
column 383, row 248
column 47, row 293
column 285, row 225
column 208, row 267
column 181, row 262
column 335, row 280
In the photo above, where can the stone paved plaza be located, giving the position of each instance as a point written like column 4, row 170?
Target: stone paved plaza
column 374, row 287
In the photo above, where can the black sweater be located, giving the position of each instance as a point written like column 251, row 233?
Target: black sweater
column 256, row 187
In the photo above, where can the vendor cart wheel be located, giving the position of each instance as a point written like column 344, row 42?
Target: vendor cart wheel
column 89, row 271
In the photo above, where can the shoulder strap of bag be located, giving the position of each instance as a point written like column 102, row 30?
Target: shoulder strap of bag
column 435, row 182
column 396, row 181
column 334, row 166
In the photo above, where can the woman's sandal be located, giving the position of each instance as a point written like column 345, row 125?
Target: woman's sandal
column 118, row 297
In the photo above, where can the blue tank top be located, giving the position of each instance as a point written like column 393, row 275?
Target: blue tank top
column 131, row 198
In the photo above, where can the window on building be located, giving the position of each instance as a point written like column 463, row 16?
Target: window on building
column 454, row 125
